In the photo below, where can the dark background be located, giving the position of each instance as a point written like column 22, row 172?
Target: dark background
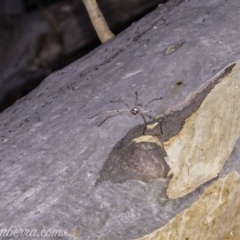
column 38, row 37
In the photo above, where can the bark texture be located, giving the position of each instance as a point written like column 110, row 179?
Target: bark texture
column 52, row 154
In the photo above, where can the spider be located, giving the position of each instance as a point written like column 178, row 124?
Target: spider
column 138, row 109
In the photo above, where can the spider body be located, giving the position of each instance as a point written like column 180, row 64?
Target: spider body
column 138, row 109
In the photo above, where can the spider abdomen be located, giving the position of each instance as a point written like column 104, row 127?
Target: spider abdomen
column 137, row 109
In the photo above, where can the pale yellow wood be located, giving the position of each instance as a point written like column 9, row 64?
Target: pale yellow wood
column 148, row 138
column 215, row 215
column 198, row 152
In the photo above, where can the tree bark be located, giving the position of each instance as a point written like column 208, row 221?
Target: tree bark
column 60, row 170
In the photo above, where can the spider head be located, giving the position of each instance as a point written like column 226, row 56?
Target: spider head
column 135, row 110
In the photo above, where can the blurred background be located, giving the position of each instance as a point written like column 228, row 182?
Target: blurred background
column 38, row 37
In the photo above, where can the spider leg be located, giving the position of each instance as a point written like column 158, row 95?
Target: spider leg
column 136, row 99
column 121, row 101
column 160, row 126
column 111, row 117
column 145, row 122
column 148, row 115
column 155, row 99
column 109, row 111
column 153, row 118
column 102, row 112
column 164, row 114
column 160, row 123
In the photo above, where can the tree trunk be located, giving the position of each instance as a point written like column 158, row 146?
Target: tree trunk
column 60, row 170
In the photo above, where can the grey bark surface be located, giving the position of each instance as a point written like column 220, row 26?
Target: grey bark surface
column 51, row 153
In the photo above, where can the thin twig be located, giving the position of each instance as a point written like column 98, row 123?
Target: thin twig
column 103, row 31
